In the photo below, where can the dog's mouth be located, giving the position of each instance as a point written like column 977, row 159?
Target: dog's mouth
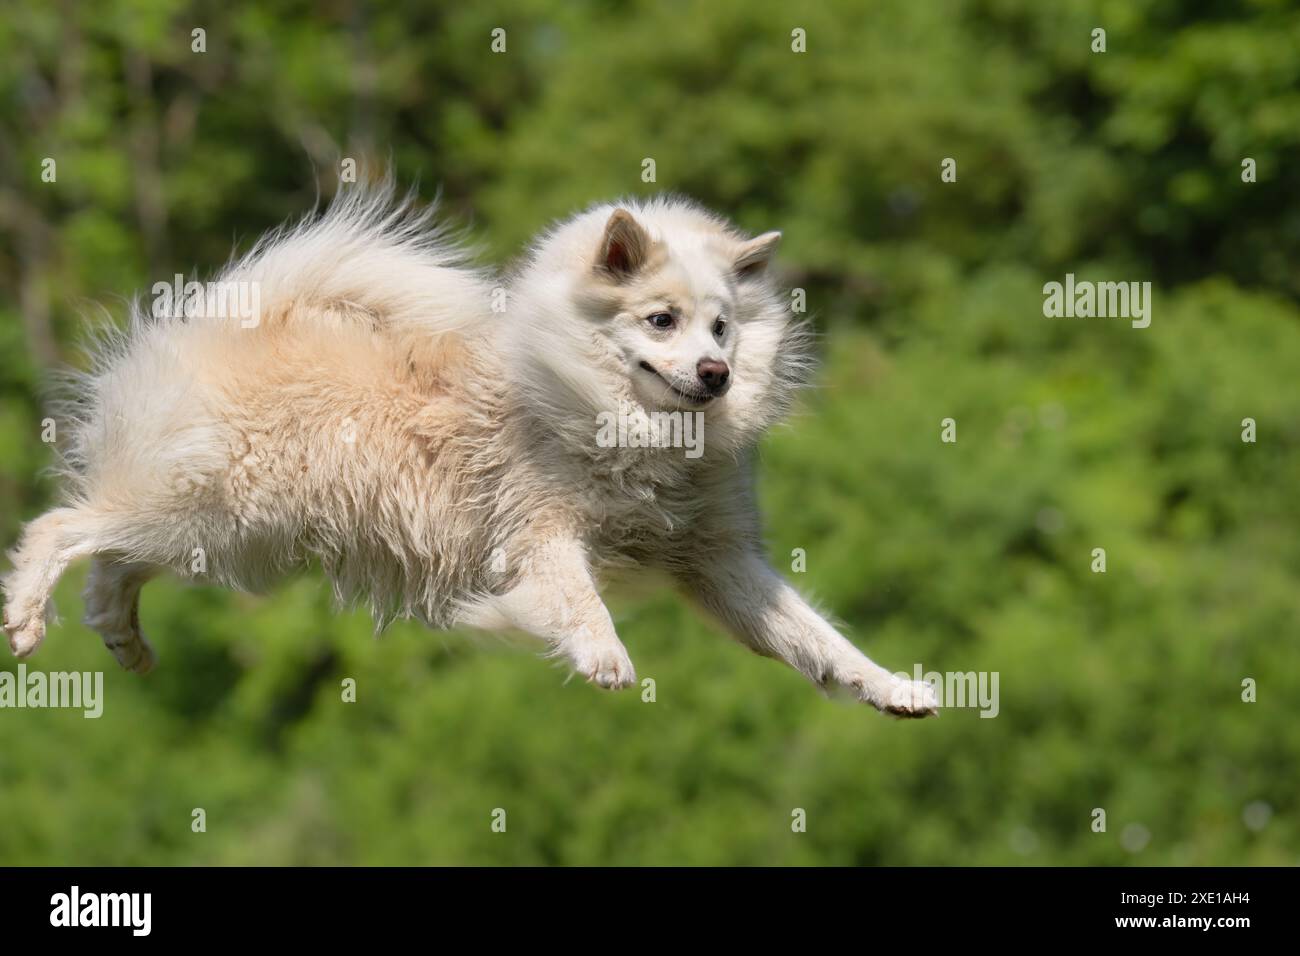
column 695, row 398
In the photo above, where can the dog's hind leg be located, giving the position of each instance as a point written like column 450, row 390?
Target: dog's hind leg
column 556, row 600
column 48, row 545
column 112, row 599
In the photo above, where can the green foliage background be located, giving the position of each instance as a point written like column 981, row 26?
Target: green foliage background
column 1120, row 691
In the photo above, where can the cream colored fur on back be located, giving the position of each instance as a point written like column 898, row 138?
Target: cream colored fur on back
column 436, row 457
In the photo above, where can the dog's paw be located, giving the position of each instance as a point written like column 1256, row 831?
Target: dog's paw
column 605, row 665
column 147, row 660
column 136, row 655
column 910, row 698
column 894, row 695
column 25, row 634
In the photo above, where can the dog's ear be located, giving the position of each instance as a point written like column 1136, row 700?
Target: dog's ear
column 752, row 256
column 624, row 248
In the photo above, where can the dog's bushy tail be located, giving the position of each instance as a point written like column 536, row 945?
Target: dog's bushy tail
column 372, row 258
column 372, row 254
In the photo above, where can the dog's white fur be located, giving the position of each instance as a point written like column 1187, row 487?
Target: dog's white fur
column 439, row 458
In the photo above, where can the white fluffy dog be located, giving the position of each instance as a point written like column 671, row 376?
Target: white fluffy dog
column 439, row 443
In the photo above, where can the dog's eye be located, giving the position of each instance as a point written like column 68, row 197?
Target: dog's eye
column 719, row 326
column 661, row 320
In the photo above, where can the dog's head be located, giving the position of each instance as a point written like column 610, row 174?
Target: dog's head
column 672, row 306
column 664, row 305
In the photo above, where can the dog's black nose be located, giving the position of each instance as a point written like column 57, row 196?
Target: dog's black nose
column 713, row 374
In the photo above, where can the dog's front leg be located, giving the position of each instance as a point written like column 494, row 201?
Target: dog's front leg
column 770, row 617
column 555, row 599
